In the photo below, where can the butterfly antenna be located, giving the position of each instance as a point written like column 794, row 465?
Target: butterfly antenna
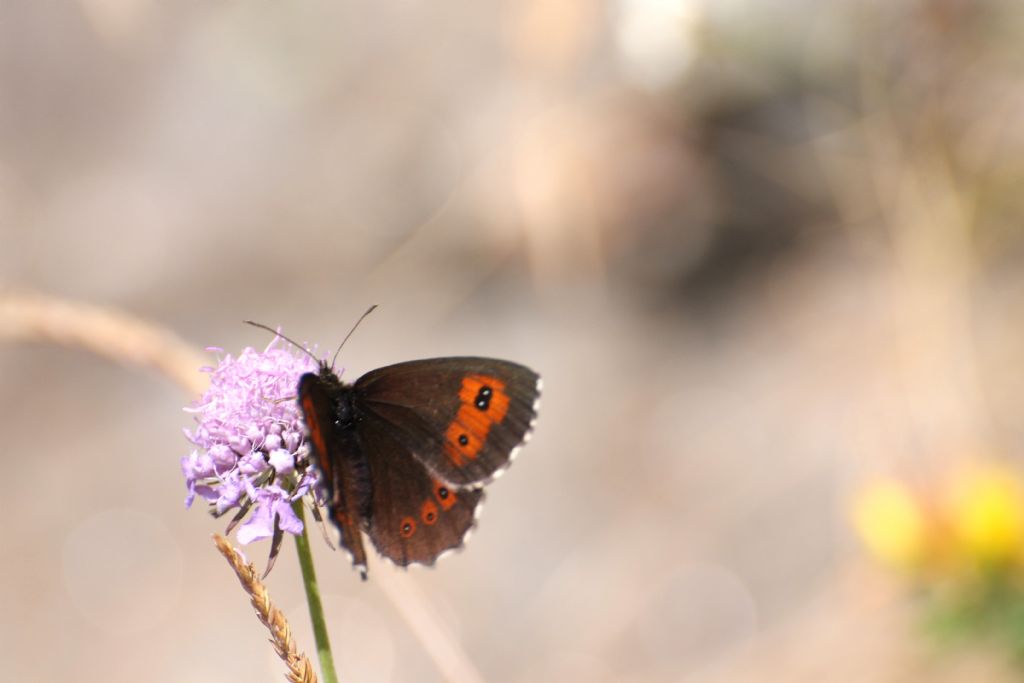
column 368, row 312
column 277, row 333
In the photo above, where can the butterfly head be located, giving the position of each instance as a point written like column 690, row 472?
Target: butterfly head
column 328, row 375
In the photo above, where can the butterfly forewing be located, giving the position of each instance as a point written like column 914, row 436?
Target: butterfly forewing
column 342, row 469
column 462, row 418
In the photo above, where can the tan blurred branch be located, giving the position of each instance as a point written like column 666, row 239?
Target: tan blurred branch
column 27, row 316
column 300, row 670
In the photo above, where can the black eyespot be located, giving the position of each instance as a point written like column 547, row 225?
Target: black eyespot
column 442, row 493
column 430, row 516
column 408, row 527
column 463, row 439
column 483, row 398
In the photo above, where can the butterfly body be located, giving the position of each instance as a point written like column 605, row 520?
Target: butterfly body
column 405, row 450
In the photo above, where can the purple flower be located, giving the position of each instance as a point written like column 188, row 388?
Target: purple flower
column 273, row 507
column 250, row 446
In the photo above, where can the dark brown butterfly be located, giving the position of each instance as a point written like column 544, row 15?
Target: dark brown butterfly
column 405, row 450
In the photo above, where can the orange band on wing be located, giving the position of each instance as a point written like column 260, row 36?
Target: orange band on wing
column 483, row 402
column 317, row 436
column 497, row 399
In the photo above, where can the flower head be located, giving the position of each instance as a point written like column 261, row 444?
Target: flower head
column 973, row 520
column 250, row 446
column 892, row 523
column 987, row 505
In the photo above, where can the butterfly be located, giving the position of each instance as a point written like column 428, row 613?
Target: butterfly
column 405, row 450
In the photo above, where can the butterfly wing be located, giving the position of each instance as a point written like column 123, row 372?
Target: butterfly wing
column 414, row 517
column 342, row 470
column 463, row 418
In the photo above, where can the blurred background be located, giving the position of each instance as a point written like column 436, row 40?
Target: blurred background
column 762, row 253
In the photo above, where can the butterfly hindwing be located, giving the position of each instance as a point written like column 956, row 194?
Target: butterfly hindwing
column 462, row 418
column 414, row 517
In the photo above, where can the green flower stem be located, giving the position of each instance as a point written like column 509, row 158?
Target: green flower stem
column 316, row 608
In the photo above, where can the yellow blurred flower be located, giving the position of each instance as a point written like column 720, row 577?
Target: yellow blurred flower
column 987, row 514
column 891, row 523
